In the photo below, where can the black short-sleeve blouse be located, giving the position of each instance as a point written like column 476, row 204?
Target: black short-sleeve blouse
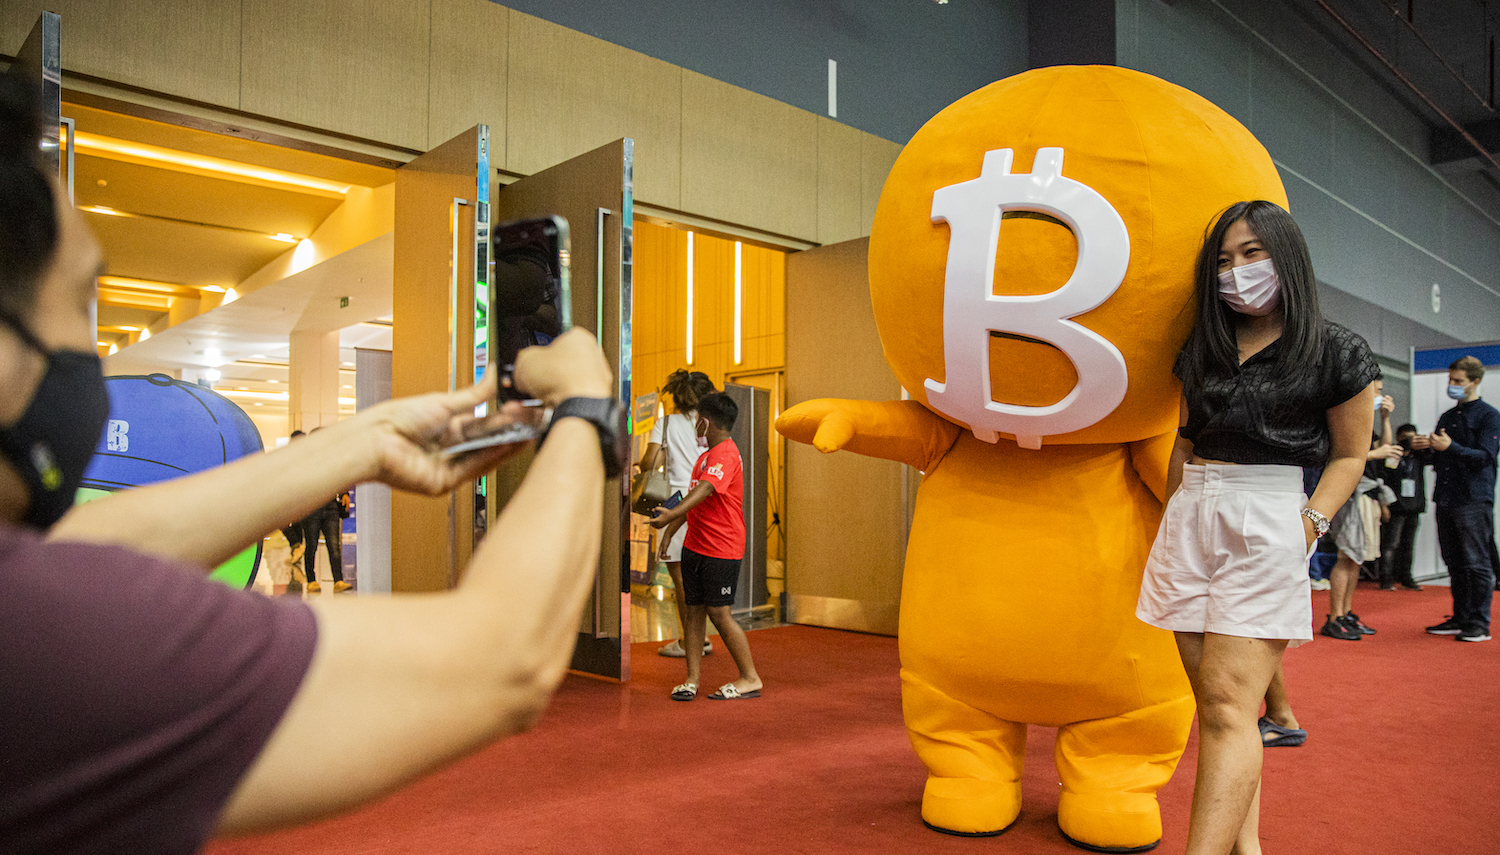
column 1258, row 414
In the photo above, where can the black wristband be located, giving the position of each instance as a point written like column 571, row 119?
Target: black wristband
column 607, row 417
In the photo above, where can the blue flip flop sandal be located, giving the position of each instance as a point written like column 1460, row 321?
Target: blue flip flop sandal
column 1284, row 737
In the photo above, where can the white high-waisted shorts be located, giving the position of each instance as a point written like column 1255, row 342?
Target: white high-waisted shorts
column 1231, row 556
column 674, row 549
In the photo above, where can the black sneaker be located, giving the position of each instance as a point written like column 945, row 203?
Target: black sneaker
column 1335, row 628
column 1352, row 621
column 1474, row 634
column 1447, row 627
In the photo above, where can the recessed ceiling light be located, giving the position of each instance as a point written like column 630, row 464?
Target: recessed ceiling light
column 283, row 237
column 126, row 150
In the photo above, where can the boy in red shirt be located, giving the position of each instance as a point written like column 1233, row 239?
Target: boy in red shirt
column 711, row 552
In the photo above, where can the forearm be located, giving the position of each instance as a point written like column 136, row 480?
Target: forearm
column 1340, row 477
column 450, row 672
column 903, row 431
column 1473, row 458
column 206, row 518
column 1182, row 452
column 671, row 530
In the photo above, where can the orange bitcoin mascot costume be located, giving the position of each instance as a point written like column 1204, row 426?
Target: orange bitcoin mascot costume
column 1031, row 270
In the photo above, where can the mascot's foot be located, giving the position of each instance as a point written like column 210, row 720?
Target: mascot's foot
column 1110, row 822
column 970, row 808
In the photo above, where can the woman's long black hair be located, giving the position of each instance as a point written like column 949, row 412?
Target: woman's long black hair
column 1211, row 348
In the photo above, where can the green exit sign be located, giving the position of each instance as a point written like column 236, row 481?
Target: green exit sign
column 343, row 302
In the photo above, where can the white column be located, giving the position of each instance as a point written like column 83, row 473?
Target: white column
column 313, row 380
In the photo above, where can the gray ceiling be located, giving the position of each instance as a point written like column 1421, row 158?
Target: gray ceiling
column 1435, row 56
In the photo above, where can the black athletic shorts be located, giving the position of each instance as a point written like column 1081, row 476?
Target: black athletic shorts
column 708, row 581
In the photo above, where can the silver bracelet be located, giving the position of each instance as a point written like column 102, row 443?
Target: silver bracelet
column 1320, row 522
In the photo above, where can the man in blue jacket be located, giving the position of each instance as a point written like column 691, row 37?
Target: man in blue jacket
column 1462, row 451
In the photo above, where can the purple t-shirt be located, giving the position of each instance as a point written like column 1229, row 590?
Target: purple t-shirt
column 134, row 695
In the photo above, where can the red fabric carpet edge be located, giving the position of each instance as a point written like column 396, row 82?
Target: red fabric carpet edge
column 1401, row 758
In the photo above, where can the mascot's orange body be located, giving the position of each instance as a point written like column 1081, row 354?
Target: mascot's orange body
column 1043, row 413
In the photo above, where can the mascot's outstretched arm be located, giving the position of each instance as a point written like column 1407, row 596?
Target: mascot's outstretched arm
column 1151, row 459
column 903, row 431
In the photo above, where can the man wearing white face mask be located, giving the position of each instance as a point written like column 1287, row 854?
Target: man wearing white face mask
column 1462, row 451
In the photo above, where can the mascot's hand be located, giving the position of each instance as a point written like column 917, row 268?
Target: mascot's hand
column 903, row 431
column 823, row 424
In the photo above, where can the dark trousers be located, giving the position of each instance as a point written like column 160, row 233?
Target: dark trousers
column 1397, row 538
column 1464, row 535
column 332, row 529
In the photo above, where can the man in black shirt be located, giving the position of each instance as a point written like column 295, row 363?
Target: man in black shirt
column 1407, row 479
column 1462, row 450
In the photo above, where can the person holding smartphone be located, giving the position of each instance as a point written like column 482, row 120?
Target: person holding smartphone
column 146, row 708
column 1463, row 450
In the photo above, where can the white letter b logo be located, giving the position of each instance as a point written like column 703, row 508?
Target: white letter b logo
column 115, row 435
column 971, row 309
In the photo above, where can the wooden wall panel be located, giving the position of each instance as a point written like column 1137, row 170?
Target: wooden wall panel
column 467, row 77
column 356, row 67
column 660, row 303
column 748, row 159
column 840, row 191
column 570, row 93
column 877, row 156
column 846, row 514
column 180, row 47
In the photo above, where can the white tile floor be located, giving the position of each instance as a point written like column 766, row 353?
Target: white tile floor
column 275, row 570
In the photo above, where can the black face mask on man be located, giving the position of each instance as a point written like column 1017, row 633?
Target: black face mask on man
column 51, row 444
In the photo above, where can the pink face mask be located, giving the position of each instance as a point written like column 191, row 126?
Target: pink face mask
column 1252, row 289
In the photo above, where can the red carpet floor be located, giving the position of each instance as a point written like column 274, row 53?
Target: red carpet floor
column 1403, row 758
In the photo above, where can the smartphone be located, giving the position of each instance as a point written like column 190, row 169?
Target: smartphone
column 530, row 299
column 530, row 304
column 673, row 500
column 507, row 436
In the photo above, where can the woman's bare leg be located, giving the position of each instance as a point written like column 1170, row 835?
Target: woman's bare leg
column 1278, row 705
column 1341, row 581
column 1230, row 676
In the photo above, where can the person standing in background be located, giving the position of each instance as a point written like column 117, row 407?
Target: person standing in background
column 674, row 436
column 1462, row 451
column 327, row 521
column 296, row 576
column 1407, row 479
column 714, row 514
column 1356, row 531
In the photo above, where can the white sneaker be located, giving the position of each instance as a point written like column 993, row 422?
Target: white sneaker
column 1320, row 584
column 675, row 651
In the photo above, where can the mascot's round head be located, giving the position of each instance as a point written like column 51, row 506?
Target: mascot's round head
column 1031, row 261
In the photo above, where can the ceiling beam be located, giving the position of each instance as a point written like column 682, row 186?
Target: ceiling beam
column 1449, row 146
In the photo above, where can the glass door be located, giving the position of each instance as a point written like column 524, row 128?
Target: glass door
column 441, row 289
column 593, row 193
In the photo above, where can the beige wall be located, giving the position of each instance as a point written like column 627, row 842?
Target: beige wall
column 401, row 76
column 846, row 514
